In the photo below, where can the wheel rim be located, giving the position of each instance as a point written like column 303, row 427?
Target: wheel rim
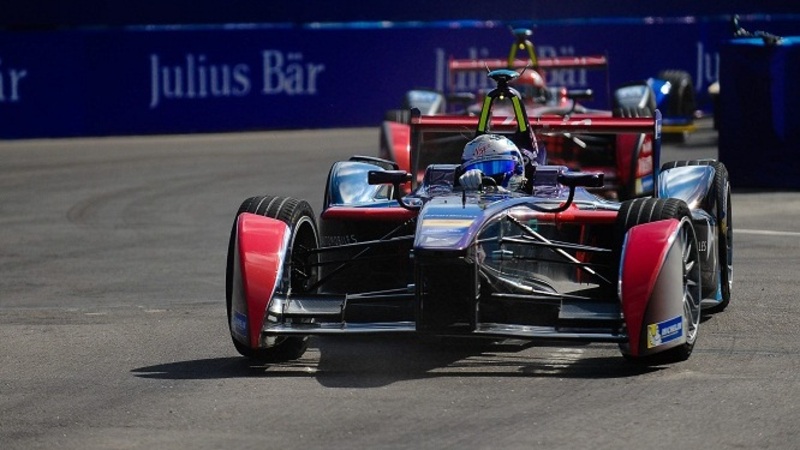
column 302, row 267
column 691, row 281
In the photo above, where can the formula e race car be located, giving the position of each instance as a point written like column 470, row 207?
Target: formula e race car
column 626, row 160
column 550, row 262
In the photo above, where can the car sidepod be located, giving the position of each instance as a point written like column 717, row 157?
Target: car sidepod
column 695, row 182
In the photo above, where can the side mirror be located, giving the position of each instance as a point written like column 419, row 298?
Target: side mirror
column 580, row 94
column 394, row 177
column 585, row 179
column 573, row 180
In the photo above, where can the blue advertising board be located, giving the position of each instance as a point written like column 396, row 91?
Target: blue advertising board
column 759, row 125
column 145, row 80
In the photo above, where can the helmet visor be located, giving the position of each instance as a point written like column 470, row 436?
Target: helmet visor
column 494, row 166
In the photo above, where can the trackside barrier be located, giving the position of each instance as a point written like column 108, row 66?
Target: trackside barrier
column 759, row 124
column 147, row 80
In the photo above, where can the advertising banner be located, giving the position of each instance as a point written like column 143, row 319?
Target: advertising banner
column 145, row 80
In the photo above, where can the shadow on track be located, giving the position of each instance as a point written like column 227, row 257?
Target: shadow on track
column 375, row 362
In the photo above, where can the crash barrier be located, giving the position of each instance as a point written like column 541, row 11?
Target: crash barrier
column 759, row 124
column 182, row 79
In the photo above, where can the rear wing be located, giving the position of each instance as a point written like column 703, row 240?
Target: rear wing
column 459, row 68
column 455, row 130
column 549, row 123
column 558, row 62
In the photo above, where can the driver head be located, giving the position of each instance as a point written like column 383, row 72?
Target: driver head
column 495, row 156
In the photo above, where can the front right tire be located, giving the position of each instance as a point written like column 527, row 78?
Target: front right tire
column 646, row 210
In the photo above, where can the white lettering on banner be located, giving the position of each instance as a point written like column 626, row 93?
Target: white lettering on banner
column 463, row 81
column 288, row 74
column 707, row 67
column 195, row 78
column 10, row 83
column 570, row 78
column 476, row 80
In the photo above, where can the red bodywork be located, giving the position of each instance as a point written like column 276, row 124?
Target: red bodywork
column 622, row 173
column 640, row 270
column 261, row 245
column 578, row 123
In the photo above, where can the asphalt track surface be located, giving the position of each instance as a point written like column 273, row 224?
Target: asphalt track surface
column 113, row 331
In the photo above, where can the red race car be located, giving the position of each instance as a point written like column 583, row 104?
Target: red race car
column 626, row 160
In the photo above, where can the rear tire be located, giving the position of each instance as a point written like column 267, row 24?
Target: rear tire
column 681, row 102
column 646, row 210
column 718, row 204
column 300, row 271
column 682, row 97
column 632, row 112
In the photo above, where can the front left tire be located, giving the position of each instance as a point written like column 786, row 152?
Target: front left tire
column 300, row 271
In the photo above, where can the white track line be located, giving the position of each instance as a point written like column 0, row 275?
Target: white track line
column 767, row 232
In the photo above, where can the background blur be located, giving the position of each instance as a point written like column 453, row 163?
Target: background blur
column 92, row 68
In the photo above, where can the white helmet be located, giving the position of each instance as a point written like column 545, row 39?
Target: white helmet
column 494, row 155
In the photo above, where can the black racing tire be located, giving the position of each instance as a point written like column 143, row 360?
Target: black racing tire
column 300, row 273
column 645, row 210
column 718, row 204
column 631, row 112
column 632, row 107
column 681, row 102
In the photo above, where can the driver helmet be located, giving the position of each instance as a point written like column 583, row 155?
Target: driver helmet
column 495, row 156
column 531, row 83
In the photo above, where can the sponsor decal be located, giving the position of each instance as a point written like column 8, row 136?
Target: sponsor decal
column 442, row 232
column 328, row 241
column 11, row 83
column 645, row 184
column 644, row 165
column 447, row 223
column 434, row 240
column 239, row 324
column 197, row 77
column 664, row 332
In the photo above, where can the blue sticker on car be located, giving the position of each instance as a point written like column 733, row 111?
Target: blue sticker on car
column 239, row 323
column 664, row 332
